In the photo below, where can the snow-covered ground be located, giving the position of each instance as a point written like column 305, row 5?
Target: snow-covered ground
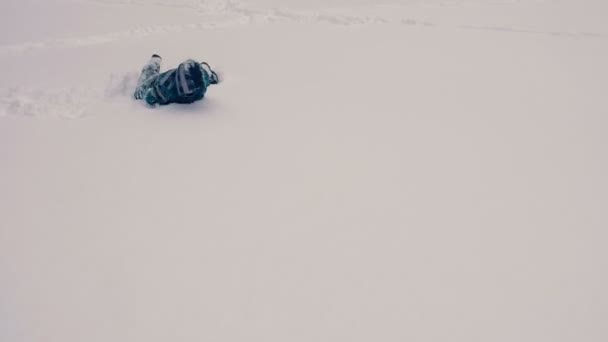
column 414, row 170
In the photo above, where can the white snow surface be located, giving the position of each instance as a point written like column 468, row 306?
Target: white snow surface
column 415, row 170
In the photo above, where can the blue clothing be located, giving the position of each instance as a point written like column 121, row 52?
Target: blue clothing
column 185, row 84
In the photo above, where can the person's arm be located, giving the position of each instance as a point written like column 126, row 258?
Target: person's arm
column 150, row 97
column 213, row 76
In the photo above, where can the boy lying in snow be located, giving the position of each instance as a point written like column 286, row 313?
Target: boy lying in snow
column 185, row 84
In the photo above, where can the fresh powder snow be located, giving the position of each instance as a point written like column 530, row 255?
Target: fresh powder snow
column 391, row 170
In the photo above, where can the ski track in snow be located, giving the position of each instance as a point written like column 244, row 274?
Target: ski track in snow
column 549, row 33
column 64, row 102
column 238, row 17
column 215, row 5
column 234, row 14
column 68, row 103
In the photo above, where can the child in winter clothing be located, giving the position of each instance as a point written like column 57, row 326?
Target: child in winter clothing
column 185, row 84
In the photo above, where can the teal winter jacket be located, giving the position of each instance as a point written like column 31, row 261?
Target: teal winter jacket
column 185, row 84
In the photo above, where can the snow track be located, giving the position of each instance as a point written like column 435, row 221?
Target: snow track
column 232, row 13
column 68, row 103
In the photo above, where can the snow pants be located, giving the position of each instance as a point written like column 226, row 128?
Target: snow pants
column 149, row 73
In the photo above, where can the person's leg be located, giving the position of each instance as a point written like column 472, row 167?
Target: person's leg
column 148, row 73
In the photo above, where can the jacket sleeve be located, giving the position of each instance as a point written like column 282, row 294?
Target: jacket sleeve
column 210, row 76
column 150, row 97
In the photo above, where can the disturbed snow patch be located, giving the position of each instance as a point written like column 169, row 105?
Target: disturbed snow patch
column 69, row 103
column 64, row 102
column 121, row 85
